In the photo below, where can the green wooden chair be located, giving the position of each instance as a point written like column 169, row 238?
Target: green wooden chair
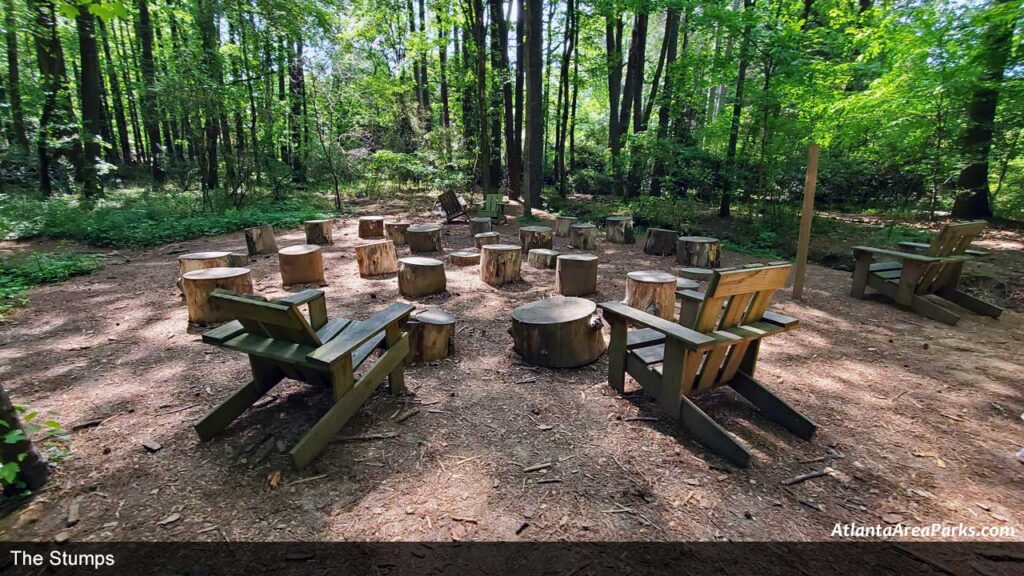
column 921, row 270
column 451, row 207
column 494, row 208
column 715, row 343
column 282, row 343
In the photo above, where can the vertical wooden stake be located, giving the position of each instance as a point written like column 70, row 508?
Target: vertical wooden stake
column 806, row 217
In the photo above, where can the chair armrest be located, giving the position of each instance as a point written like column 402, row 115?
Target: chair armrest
column 921, row 245
column 691, row 295
column 317, row 305
column 894, row 254
column 689, row 338
column 300, row 298
column 351, row 339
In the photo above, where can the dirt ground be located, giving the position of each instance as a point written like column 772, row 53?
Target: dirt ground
column 920, row 422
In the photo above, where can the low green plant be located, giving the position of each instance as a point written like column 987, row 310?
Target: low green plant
column 20, row 273
column 30, row 427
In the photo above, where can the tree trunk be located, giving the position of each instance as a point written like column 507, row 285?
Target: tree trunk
column 974, row 201
column 613, row 47
column 212, row 71
column 563, row 94
column 92, row 114
column 18, row 134
column 150, row 113
column 118, row 99
column 665, row 109
column 427, row 112
column 515, row 159
column 631, row 94
column 724, row 210
column 296, row 99
column 483, row 158
column 533, row 150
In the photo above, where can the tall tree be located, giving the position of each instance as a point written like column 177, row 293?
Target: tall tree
column 475, row 9
column 665, row 110
column 724, row 209
column 150, row 113
column 533, row 149
column 92, row 115
column 17, row 128
column 116, row 96
column 515, row 160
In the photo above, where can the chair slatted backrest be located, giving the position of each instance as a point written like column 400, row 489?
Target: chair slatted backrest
column 734, row 298
column 261, row 317
column 491, row 202
column 450, row 204
column 953, row 240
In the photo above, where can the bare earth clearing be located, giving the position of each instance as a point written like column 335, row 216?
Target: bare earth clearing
column 920, row 421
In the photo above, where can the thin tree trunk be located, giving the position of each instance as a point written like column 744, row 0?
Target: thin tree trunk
column 211, row 69
column 515, row 161
column 117, row 97
column 613, row 46
column 428, row 113
column 631, row 94
column 724, row 210
column 665, row 108
column 563, row 96
column 150, row 114
column 533, row 151
column 92, row 114
column 495, row 94
column 18, row 135
column 295, row 80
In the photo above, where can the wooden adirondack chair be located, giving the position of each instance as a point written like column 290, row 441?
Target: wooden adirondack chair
column 914, row 275
column 494, row 208
column 716, row 343
column 282, row 343
column 451, row 207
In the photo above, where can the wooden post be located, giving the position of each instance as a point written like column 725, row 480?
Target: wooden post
column 260, row 240
column 806, row 217
column 376, row 258
column 319, row 232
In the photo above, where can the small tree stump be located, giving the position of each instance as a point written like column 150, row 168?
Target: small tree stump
column 418, row 276
column 619, row 230
column 698, row 251
column 557, row 332
column 531, row 237
column 542, row 258
column 200, row 260
column 479, row 226
column 576, row 274
column 660, row 242
column 198, row 285
column 424, row 238
column 376, row 258
column 395, row 231
column 698, row 274
column 260, row 240
column 238, row 260
column 302, row 264
column 485, row 238
column 431, row 335
column 319, row 232
column 499, row 264
column 583, row 236
column 464, row 258
column 562, row 225
column 652, row 292
column 371, row 226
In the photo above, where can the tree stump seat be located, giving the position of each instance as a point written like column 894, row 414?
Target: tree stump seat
column 696, row 274
column 424, row 238
column 531, row 237
column 371, row 227
column 660, row 242
column 542, row 258
column 479, row 225
column 376, row 258
column 557, row 332
column 563, row 224
column 259, row 240
column 576, row 274
column 583, row 236
column 500, row 264
column 198, row 284
column 464, row 258
column 419, row 276
column 319, row 232
column 619, row 229
column 302, row 264
column 652, row 292
column 698, row 252
column 395, row 231
column 485, row 238
column 431, row 335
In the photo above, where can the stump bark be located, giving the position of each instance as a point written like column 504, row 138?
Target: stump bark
column 302, row 264
column 479, row 226
column 562, row 225
column 660, row 242
column 424, row 238
column 319, row 232
column 32, row 467
column 238, row 260
column 486, row 238
column 198, row 285
column 395, row 231
column 557, row 332
column 619, row 230
column 531, row 237
column 698, row 252
column 576, row 274
column 371, row 226
column 419, row 276
column 542, row 258
column 499, row 264
column 431, row 335
column 652, row 292
column 376, row 258
column 260, row 240
column 200, row 260
column 583, row 236
column 464, row 258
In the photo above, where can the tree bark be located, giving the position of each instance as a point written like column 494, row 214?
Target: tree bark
column 533, row 150
column 150, row 113
column 92, row 114
column 118, row 99
column 724, row 210
column 665, row 109
column 18, row 134
column 515, row 160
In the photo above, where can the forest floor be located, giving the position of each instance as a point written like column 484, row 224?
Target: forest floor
column 919, row 422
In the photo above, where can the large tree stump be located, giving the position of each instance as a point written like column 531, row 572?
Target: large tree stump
column 302, row 264
column 33, row 470
column 652, row 292
column 376, row 258
column 576, row 274
column 583, row 236
column 464, row 258
column 557, row 332
column 238, row 260
column 260, row 240
column 319, row 232
column 697, row 274
column 198, row 285
column 485, row 238
column 424, row 238
column 698, row 252
column 499, row 264
column 395, row 231
column 371, row 226
column 562, row 225
column 479, row 226
column 531, row 237
column 431, row 335
column 619, row 229
column 418, row 276
column 660, row 242
column 199, row 261
column 542, row 258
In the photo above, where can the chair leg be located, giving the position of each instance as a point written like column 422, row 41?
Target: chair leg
column 930, row 309
column 860, row 273
column 711, row 434
column 617, row 354
column 970, row 302
column 232, row 407
column 772, row 406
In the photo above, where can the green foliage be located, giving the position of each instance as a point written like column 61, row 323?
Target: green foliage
column 19, row 273
column 30, row 427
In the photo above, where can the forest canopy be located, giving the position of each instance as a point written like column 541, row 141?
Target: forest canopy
column 918, row 105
